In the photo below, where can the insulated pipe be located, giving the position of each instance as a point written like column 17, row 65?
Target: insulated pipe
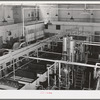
column 59, row 74
column 13, row 69
column 55, row 73
column 37, row 55
column 61, row 61
column 72, row 44
column 65, row 48
column 23, row 20
column 65, row 44
column 48, row 78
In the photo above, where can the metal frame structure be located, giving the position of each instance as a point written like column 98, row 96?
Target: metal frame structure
column 59, row 65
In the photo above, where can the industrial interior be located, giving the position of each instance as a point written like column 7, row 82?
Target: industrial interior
column 49, row 46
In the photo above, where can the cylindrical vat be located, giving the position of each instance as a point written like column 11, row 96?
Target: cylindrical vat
column 72, row 44
column 65, row 44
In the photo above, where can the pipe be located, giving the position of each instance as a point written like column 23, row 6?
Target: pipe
column 91, row 44
column 13, row 69
column 72, row 43
column 65, row 44
column 53, row 53
column 55, row 73
column 61, row 61
column 89, row 80
column 23, row 20
column 48, row 77
column 59, row 74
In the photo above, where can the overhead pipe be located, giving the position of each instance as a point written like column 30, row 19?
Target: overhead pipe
column 66, row 62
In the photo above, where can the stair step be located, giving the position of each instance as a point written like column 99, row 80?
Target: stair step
column 79, row 76
column 78, row 86
column 79, row 73
column 78, row 82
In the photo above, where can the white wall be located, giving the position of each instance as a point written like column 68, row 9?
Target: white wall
column 51, row 9
column 78, row 14
column 6, row 11
column 90, row 27
column 16, row 30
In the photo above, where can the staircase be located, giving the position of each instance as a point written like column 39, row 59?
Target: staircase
column 79, row 76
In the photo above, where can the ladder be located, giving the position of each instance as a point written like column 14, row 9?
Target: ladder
column 79, row 77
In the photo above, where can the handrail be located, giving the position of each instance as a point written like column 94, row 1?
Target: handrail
column 20, row 52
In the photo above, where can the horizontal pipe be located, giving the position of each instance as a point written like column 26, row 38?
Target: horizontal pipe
column 53, row 53
column 91, row 44
column 66, row 62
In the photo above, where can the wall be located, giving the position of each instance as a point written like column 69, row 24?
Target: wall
column 16, row 30
column 6, row 13
column 9, row 14
column 91, row 27
column 48, row 12
column 29, row 13
column 17, row 14
column 79, row 14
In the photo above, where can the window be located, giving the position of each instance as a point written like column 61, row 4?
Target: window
column 46, row 26
column 57, row 27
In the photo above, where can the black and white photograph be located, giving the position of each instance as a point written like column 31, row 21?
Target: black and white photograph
column 49, row 46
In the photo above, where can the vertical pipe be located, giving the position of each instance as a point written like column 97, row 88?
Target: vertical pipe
column 36, row 13
column 59, row 74
column 89, row 80
column 65, row 44
column 72, row 49
column 94, row 73
column 37, row 55
column 65, row 48
column 23, row 20
column 48, row 77
column 55, row 73
column 13, row 70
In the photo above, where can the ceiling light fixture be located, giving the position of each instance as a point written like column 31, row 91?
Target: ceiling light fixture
column 68, row 13
column 8, row 16
column 4, row 20
column 49, row 23
column 56, row 15
column 91, row 13
column 71, row 18
column 47, row 13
